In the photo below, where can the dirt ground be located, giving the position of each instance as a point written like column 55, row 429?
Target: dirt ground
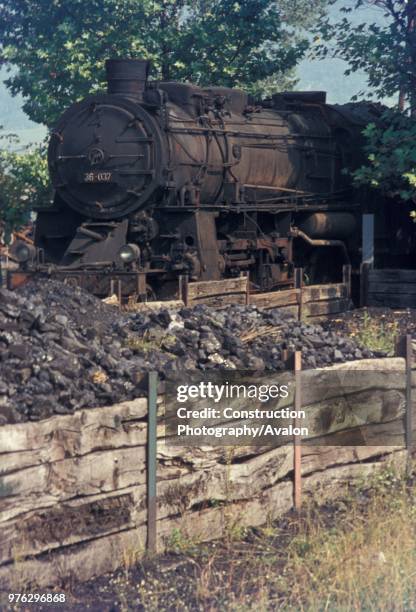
column 192, row 577
column 353, row 544
column 352, row 322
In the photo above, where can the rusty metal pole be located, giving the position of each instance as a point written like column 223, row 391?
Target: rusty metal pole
column 180, row 287
column 152, row 462
column 183, row 288
column 299, row 287
column 119, row 293
column 409, row 407
column 297, row 448
column 248, row 289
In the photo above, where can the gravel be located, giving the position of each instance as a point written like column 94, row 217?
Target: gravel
column 62, row 349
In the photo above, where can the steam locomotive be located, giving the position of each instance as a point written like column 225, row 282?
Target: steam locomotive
column 154, row 180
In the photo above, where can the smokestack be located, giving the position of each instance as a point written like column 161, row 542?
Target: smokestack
column 127, row 77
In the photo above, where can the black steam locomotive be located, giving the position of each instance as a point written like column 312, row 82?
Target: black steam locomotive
column 155, row 180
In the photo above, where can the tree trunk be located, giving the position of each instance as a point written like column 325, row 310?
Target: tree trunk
column 411, row 21
column 402, row 100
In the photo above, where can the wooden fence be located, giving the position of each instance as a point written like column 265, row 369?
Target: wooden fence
column 389, row 288
column 303, row 301
column 83, row 494
column 214, row 293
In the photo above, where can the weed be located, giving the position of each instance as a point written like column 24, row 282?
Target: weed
column 142, row 344
column 354, row 553
column 147, row 343
column 178, row 542
column 378, row 335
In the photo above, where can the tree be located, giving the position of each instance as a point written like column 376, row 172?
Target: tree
column 24, row 185
column 59, row 47
column 391, row 155
column 384, row 48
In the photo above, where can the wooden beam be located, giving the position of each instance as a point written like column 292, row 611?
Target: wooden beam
column 392, row 301
column 220, row 300
column 183, row 288
column 346, row 278
column 314, row 309
column 316, row 293
column 388, row 275
column 386, row 287
column 364, row 271
column 275, row 299
column 203, row 289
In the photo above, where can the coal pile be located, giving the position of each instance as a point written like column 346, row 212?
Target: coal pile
column 62, row 349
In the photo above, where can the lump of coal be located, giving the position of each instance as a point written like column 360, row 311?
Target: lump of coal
column 62, row 349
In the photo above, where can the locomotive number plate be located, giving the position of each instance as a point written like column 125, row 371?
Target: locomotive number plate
column 97, row 177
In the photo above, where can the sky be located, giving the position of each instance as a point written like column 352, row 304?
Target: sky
column 327, row 75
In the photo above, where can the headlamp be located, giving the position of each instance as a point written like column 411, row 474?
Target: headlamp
column 129, row 253
column 22, row 252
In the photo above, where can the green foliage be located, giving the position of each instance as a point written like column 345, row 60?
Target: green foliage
column 24, row 185
column 391, row 154
column 384, row 48
column 59, row 47
column 377, row 335
column 179, row 542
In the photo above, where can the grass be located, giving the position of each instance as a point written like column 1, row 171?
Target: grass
column 377, row 334
column 354, row 554
column 149, row 344
column 365, row 562
column 142, row 345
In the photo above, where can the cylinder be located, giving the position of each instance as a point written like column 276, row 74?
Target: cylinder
column 329, row 225
column 127, row 77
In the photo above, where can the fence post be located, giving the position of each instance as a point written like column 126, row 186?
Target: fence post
column 404, row 349
column 180, row 287
column 299, row 286
column 297, row 448
column 346, row 278
column 367, row 258
column 409, row 415
column 248, row 289
column 119, row 293
column 364, row 275
column 183, row 288
column 152, row 462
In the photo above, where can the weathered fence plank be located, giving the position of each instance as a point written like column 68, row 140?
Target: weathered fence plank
column 333, row 298
column 274, row 299
column 203, row 290
column 316, row 293
column 73, row 488
column 391, row 288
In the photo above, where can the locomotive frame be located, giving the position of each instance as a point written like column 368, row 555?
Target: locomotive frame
column 156, row 180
